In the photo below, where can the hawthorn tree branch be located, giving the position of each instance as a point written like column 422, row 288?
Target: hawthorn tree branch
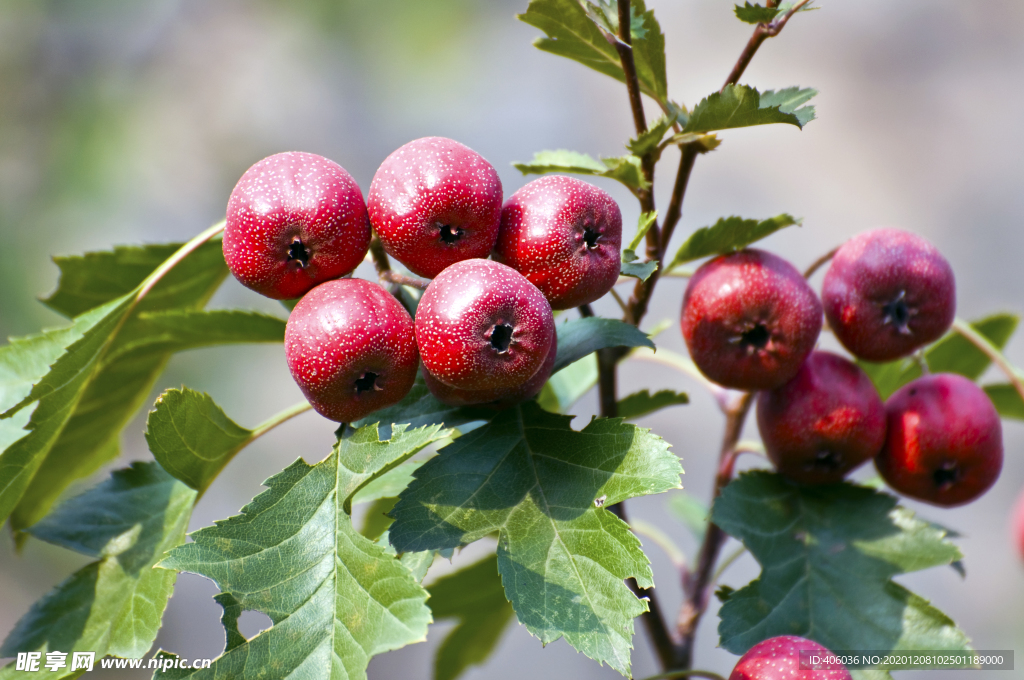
column 761, row 33
column 820, row 262
column 391, row 276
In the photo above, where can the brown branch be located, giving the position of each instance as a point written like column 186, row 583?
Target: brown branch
column 392, row 276
column 820, row 262
column 697, row 584
column 761, row 33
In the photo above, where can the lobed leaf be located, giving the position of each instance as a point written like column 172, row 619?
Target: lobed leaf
column 643, row 402
column 562, row 555
column 739, row 106
column 475, row 597
column 579, row 337
column 728, row 234
column 755, row 14
column 828, row 555
column 335, row 597
column 625, row 169
column 113, row 605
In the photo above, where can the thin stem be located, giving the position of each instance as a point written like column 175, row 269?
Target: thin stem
column 391, row 276
column 380, row 257
column 761, row 33
column 675, row 206
column 992, row 352
column 697, row 584
column 708, row 675
column 820, row 262
column 622, row 303
column 175, row 259
column 726, row 563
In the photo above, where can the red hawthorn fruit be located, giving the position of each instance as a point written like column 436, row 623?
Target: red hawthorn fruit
column 498, row 397
column 351, row 348
column 435, row 202
column 749, row 320
column 945, row 442
column 824, row 422
column 778, row 658
column 564, row 235
column 294, row 220
column 481, row 325
column 887, row 293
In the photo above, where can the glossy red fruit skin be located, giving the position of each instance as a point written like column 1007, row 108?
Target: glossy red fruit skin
column 429, row 192
column 291, row 197
column 341, row 332
column 778, row 658
column 463, row 323
column 887, row 293
column 498, row 398
column 749, row 320
column 825, row 422
column 564, row 235
column 945, row 442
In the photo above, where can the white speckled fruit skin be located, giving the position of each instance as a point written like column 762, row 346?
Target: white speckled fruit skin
column 457, row 313
column 429, row 183
column 289, row 195
column 778, row 658
column 541, row 237
column 498, row 398
column 337, row 333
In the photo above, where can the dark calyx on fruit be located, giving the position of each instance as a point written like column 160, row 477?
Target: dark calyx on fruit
column 501, row 337
column 756, row 338
column 897, row 313
column 366, row 383
column 451, row 234
column 590, row 237
column 298, row 254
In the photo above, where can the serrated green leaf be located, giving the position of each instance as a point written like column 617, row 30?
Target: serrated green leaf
column 392, row 483
column 335, row 597
column 643, row 402
column 579, row 337
column 953, row 353
column 191, row 437
column 419, row 408
column 644, row 224
column 739, row 106
column 639, row 270
column 113, row 605
column 571, row 33
column 728, row 234
column 566, row 387
column 755, row 14
column 543, row 486
column 176, row 330
column 649, row 140
column 828, row 554
column 475, row 597
column 625, row 169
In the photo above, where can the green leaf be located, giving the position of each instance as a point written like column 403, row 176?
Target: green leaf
column 649, row 140
column 828, row 555
column 562, row 555
column 335, row 597
column 475, row 597
column 729, row 234
column 643, row 402
column 419, row 408
column 191, row 437
column 644, row 224
column 580, row 337
column 691, row 513
column 625, row 169
column 739, row 106
column 755, row 14
column 176, row 330
column 566, row 387
column 377, row 521
column 573, row 34
column 113, row 605
column 391, row 484
column 639, row 270
column 1006, row 400
column 953, row 353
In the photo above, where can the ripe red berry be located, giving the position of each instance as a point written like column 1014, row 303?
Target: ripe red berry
column 749, row 320
column 824, row 422
column 945, row 441
column 778, row 658
column 351, row 348
column 564, row 235
column 481, row 325
column 499, row 397
column 887, row 293
column 294, row 220
column 435, row 202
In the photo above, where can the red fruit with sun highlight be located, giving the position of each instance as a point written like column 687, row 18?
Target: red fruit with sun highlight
column 435, row 202
column 294, row 220
column 351, row 348
column 499, row 397
column 481, row 325
column 564, row 235
column 778, row 658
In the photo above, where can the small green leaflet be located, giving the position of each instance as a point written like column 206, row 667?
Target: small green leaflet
column 643, row 402
column 755, row 14
column 475, row 597
column 562, row 555
column 953, row 353
column 644, row 224
column 113, row 605
column 728, row 234
column 739, row 106
column 639, row 270
column 566, row 387
column 625, row 169
column 335, row 597
column 828, row 554
column 606, row 15
column 579, row 337
column 572, row 33
column 1006, row 400
column 649, row 140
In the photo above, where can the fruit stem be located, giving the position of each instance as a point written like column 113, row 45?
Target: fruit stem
column 175, row 259
column 992, row 352
column 392, row 276
column 380, row 257
column 820, row 262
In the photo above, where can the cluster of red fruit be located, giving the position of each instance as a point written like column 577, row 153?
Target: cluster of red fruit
column 751, row 322
column 484, row 330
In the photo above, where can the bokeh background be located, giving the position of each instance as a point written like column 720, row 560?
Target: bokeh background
column 129, row 122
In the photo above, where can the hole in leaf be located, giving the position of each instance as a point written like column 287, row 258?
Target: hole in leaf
column 297, row 252
column 366, row 383
column 252, row 623
column 501, row 337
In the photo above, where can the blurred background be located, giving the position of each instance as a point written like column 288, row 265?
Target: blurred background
column 129, row 122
